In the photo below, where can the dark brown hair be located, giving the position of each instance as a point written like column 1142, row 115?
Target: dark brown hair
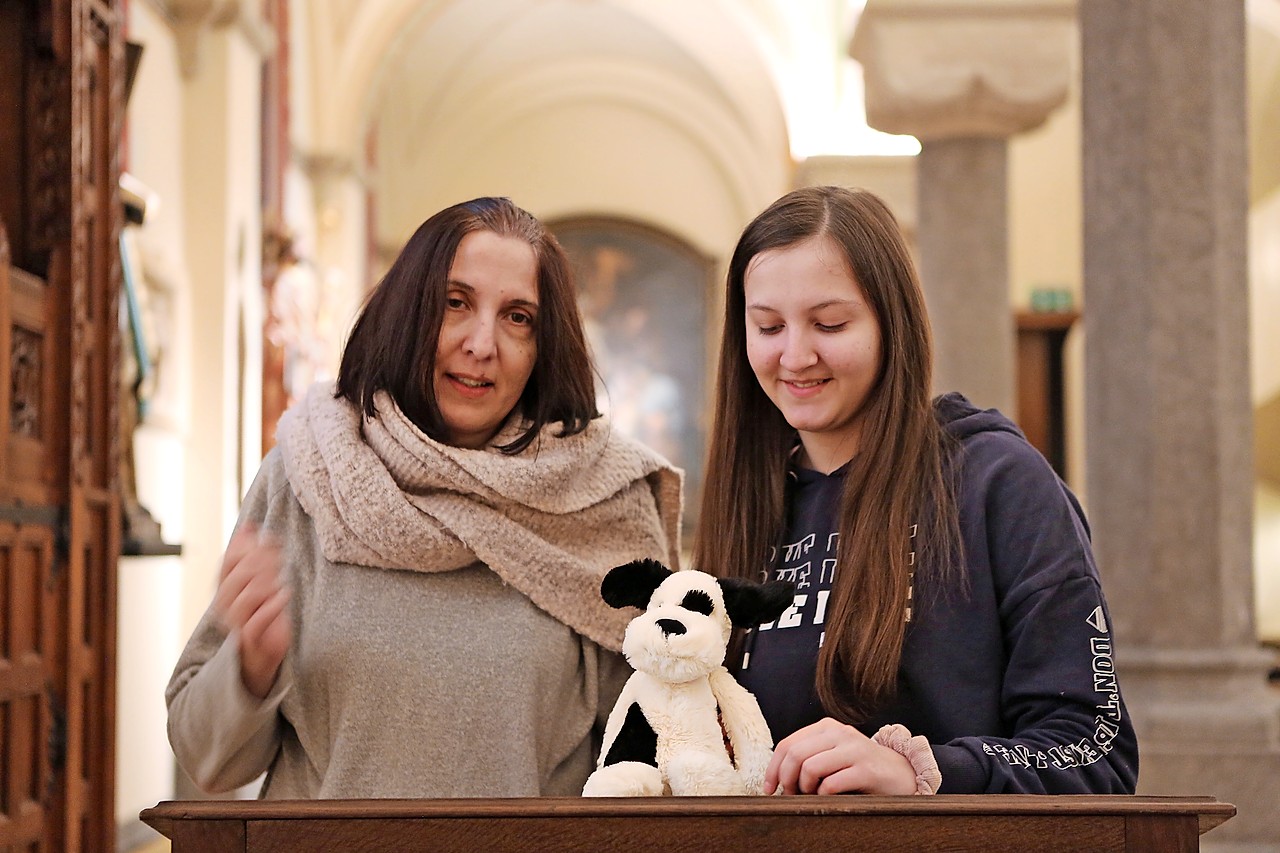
column 393, row 344
column 896, row 480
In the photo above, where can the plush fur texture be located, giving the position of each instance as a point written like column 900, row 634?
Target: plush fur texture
column 668, row 730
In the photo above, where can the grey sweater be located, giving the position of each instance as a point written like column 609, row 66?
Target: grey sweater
column 413, row 683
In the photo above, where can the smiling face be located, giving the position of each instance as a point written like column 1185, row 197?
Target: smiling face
column 813, row 342
column 487, row 345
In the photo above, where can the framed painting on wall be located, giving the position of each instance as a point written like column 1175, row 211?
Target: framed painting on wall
column 644, row 298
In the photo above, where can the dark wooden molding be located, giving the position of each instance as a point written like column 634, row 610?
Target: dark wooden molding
column 1041, row 337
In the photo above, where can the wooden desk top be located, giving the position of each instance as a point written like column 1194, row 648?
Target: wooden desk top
column 1110, row 819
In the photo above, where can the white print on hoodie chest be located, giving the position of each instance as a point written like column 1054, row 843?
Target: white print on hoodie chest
column 811, row 566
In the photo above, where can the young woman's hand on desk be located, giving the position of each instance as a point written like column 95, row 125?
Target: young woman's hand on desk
column 829, row 757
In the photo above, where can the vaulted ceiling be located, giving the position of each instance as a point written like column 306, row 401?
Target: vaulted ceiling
column 643, row 101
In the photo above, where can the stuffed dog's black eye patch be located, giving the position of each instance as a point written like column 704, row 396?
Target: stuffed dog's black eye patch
column 697, row 601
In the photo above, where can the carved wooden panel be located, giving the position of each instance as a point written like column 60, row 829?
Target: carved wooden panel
column 24, row 372
column 93, row 501
column 31, row 468
column 28, row 662
column 29, row 653
column 59, row 503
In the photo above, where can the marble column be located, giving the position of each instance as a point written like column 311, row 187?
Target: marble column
column 963, row 76
column 1167, row 397
column 964, row 266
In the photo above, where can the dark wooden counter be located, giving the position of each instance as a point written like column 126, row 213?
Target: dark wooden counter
column 695, row 824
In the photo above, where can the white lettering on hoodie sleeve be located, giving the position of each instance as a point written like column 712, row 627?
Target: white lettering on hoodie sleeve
column 1070, row 756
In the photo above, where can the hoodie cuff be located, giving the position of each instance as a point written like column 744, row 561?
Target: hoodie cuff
column 960, row 773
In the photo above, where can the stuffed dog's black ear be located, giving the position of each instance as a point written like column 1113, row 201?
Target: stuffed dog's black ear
column 750, row 604
column 632, row 584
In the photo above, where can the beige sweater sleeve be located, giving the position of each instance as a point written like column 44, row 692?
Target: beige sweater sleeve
column 614, row 672
column 222, row 735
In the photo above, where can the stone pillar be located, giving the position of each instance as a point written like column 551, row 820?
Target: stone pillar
column 963, row 76
column 1167, row 396
column 964, row 266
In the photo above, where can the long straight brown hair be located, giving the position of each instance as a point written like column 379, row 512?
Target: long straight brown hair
column 392, row 346
column 896, row 484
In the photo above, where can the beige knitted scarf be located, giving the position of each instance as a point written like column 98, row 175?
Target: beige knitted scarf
column 550, row 520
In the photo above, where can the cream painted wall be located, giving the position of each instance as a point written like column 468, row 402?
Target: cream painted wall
column 1266, row 557
column 1045, row 206
column 194, row 142
column 1264, row 277
column 150, row 588
column 224, row 250
column 1263, row 55
column 1264, row 293
column 148, row 639
column 1264, row 308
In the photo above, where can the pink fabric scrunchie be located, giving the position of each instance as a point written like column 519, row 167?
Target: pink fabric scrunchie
column 917, row 751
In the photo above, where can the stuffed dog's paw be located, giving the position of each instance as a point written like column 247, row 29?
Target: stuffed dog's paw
column 700, row 775
column 624, row 779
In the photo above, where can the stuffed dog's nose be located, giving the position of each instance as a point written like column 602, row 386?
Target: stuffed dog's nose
column 670, row 626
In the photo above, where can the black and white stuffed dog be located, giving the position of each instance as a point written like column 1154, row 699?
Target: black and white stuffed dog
column 682, row 724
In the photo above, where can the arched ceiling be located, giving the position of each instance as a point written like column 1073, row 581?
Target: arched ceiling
column 354, row 43
column 760, row 81
column 690, row 92
column 445, row 55
column 449, row 57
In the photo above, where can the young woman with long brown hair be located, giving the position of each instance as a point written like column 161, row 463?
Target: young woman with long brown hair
column 949, row 631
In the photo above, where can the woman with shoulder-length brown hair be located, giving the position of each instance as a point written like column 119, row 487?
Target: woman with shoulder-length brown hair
column 414, row 293
column 410, row 605
column 949, row 631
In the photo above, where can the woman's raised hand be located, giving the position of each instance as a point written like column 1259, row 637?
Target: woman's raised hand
column 251, row 603
column 830, row 757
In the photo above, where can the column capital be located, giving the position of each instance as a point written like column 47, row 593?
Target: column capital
column 939, row 69
column 191, row 19
column 322, row 164
column 328, row 168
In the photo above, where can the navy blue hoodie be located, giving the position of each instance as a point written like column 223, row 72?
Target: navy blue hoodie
column 1012, row 679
